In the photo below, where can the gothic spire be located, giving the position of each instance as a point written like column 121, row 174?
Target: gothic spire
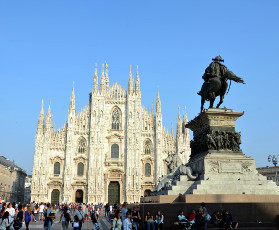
column 48, row 117
column 41, row 117
column 107, row 78
column 158, row 102
column 130, row 82
column 178, row 124
column 95, row 80
column 72, row 101
column 137, row 85
column 102, row 83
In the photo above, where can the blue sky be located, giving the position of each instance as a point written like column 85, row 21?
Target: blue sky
column 46, row 45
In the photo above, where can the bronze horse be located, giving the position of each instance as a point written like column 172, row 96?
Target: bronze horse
column 217, row 86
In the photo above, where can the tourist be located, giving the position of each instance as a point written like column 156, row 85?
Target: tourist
column 124, row 210
column 159, row 221
column 206, row 216
column 86, row 216
column 4, row 207
column 117, row 221
column 27, row 217
column 11, row 211
column 192, row 216
column 200, row 221
column 36, row 212
column 48, row 218
column 4, row 224
column 149, row 221
column 18, row 218
column 76, row 223
column 216, row 218
column 127, row 223
column 65, row 217
column 107, row 209
column 32, row 211
column 227, row 221
column 80, row 214
column 94, row 217
column 181, row 217
column 136, row 217
column 41, row 212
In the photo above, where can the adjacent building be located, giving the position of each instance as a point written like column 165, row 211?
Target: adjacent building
column 27, row 191
column 270, row 173
column 12, row 180
column 113, row 150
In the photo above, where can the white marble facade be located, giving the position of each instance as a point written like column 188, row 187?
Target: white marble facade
column 112, row 144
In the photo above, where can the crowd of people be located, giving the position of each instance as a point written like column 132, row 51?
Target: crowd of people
column 16, row 215
column 199, row 219
column 122, row 217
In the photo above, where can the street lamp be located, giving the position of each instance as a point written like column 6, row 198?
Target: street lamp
column 274, row 160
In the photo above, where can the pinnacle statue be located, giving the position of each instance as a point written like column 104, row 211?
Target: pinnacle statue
column 215, row 82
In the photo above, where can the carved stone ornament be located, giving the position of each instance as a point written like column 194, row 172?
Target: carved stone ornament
column 55, row 184
column 214, row 166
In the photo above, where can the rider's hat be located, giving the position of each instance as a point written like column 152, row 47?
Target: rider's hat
column 218, row 58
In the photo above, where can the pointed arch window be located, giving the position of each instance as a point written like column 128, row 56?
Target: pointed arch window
column 147, row 169
column 147, row 147
column 82, row 146
column 56, row 168
column 80, row 169
column 116, row 119
column 115, row 151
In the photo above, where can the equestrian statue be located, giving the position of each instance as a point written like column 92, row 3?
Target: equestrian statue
column 215, row 82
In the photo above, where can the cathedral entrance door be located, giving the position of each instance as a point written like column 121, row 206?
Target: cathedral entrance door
column 114, row 192
column 79, row 196
column 55, row 196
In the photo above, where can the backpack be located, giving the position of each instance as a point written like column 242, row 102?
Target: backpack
column 67, row 217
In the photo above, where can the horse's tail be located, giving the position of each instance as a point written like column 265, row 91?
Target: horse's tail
column 231, row 76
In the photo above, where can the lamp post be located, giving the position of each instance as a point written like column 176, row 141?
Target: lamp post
column 274, row 160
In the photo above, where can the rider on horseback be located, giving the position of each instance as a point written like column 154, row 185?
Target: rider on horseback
column 215, row 82
column 215, row 69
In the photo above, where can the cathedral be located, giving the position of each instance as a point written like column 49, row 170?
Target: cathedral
column 113, row 150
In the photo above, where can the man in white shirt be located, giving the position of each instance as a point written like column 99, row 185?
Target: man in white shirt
column 41, row 212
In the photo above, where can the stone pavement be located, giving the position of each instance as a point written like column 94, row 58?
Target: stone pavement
column 58, row 226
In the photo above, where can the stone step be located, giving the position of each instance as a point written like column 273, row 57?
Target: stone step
column 235, row 191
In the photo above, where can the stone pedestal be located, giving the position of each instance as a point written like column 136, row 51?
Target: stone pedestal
column 217, row 158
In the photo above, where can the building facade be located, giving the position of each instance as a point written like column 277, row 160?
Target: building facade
column 27, row 191
column 113, row 150
column 12, row 179
column 272, row 173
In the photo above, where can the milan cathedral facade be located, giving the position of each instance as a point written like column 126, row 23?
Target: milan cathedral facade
column 113, row 150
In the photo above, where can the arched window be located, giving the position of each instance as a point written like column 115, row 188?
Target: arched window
column 115, row 151
column 147, row 147
column 80, row 169
column 147, row 169
column 116, row 118
column 82, row 146
column 57, row 168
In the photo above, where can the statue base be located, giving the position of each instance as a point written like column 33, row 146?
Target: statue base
column 217, row 158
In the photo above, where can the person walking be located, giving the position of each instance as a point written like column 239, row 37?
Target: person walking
column 65, row 217
column 80, row 214
column 27, row 216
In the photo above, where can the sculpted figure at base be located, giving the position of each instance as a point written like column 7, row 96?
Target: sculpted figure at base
column 168, row 180
column 215, row 82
